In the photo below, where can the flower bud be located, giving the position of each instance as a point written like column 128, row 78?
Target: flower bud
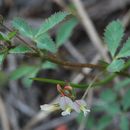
column 68, row 88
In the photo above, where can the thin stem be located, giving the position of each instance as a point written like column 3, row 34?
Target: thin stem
column 70, row 64
column 53, row 81
column 90, row 85
column 54, row 59
column 81, row 86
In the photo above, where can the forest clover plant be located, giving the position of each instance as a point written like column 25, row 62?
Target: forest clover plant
column 41, row 45
column 113, row 35
column 67, row 104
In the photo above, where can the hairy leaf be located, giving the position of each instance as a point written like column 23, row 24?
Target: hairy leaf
column 20, row 49
column 49, row 65
column 23, row 27
column 125, row 51
column 116, row 65
column 45, row 42
column 65, row 31
column 113, row 35
column 51, row 22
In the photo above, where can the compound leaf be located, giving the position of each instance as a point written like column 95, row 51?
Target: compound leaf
column 51, row 22
column 23, row 27
column 20, row 49
column 125, row 51
column 116, row 65
column 65, row 31
column 45, row 42
column 113, row 35
column 48, row 65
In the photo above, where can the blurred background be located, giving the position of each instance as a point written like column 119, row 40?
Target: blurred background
column 20, row 98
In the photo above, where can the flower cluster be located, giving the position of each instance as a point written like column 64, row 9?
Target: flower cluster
column 66, row 104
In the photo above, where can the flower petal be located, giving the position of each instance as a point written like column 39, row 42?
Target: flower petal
column 86, row 111
column 66, row 112
column 81, row 106
column 47, row 107
column 76, row 107
column 65, row 102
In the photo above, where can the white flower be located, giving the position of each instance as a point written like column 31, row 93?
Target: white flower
column 50, row 107
column 81, row 106
column 66, row 104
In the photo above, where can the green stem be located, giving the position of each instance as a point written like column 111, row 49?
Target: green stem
column 81, row 86
column 53, row 81
column 70, row 64
column 54, row 59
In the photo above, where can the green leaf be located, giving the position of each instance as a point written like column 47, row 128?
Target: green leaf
column 51, row 22
column 27, row 81
column 116, row 65
column 124, row 123
column 90, row 122
column 65, row 31
column 113, row 109
column 125, row 51
column 103, row 122
column 108, row 95
column 2, row 37
column 113, row 36
column 23, row 27
column 49, row 65
column 2, row 56
column 20, row 49
column 11, row 35
column 126, row 100
column 45, row 42
column 6, row 37
column 122, row 84
column 21, row 71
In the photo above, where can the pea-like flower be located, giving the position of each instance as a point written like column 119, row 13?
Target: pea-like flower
column 50, row 107
column 66, row 104
column 81, row 106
